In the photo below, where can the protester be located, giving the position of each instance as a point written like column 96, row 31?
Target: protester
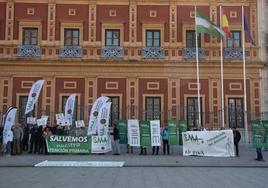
column 143, row 150
column 40, row 140
column 25, row 141
column 33, row 139
column 237, row 137
column 165, row 137
column 115, row 133
column 259, row 148
column 46, row 132
column 17, row 139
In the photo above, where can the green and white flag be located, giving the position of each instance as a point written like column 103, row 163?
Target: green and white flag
column 33, row 95
column 204, row 25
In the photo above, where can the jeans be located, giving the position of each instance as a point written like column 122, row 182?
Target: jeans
column 165, row 144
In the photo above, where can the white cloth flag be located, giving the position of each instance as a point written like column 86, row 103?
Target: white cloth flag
column 133, row 132
column 208, row 143
column 103, row 119
column 92, row 128
column 33, row 95
column 102, row 142
column 155, row 133
column 9, row 121
column 69, row 108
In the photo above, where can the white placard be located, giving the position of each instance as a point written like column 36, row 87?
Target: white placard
column 155, row 132
column 208, row 143
column 101, row 144
column 42, row 121
column 79, row 123
column 31, row 120
column 133, row 132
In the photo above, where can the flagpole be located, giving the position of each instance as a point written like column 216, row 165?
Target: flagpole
column 197, row 73
column 244, row 77
column 222, row 83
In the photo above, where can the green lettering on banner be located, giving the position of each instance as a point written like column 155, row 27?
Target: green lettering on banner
column 122, row 126
column 145, row 133
column 193, row 138
column 173, row 132
column 257, row 140
column 68, row 144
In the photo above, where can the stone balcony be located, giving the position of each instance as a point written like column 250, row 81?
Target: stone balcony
column 233, row 53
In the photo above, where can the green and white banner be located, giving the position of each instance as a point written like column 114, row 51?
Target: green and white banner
column 265, row 125
column 133, row 132
column 208, row 143
column 122, row 126
column 101, row 144
column 145, row 135
column 155, row 133
column 257, row 133
column 173, row 132
column 68, row 144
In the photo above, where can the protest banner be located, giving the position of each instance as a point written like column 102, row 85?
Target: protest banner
column 182, row 128
column 173, row 132
column 265, row 125
column 145, row 136
column 68, row 144
column 31, row 120
column 133, row 132
column 101, row 144
column 257, row 133
column 208, row 143
column 122, row 126
column 155, row 133
column 42, row 121
column 8, row 122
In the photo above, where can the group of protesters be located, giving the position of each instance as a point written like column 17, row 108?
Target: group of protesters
column 26, row 139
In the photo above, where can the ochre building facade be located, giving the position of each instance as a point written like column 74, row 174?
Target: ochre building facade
column 139, row 53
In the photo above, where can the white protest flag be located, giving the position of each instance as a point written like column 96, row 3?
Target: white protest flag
column 155, row 133
column 133, row 132
column 92, row 129
column 9, row 120
column 103, row 119
column 69, row 108
column 102, row 142
column 33, row 95
column 79, row 123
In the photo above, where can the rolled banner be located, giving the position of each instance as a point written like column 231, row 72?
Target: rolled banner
column 33, row 95
column 69, row 108
column 92, row 129
column 9, row 120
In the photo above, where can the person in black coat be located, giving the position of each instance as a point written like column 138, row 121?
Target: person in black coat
column 33, row 139
column 237, row 137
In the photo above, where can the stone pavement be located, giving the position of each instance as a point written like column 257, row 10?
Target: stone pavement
column 175, row 159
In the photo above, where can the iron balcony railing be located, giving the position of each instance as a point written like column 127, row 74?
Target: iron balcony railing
column 190, row 53
column 233, row 53
column 112, row 52
column 70, row 52
column 152, row 53
column 31, row 51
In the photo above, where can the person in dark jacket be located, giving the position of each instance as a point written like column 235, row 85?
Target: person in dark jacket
column 33, row 139
column 116, row 139
column 237, row 137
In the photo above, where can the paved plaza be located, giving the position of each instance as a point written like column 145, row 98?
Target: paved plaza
column 138, row 171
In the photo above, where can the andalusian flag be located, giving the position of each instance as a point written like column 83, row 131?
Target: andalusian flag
column 226, row 29
column 204, row 25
